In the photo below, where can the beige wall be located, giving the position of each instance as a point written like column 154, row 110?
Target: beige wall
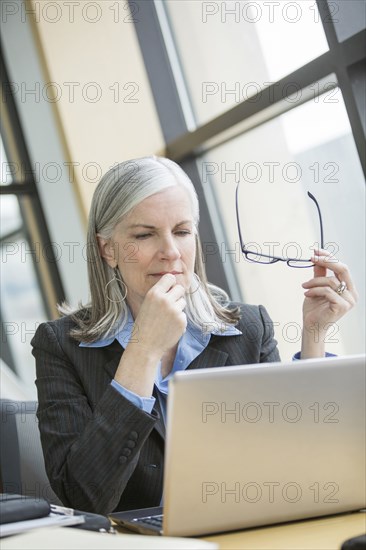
column 102, row 99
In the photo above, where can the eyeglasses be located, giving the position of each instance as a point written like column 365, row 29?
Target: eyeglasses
column 257, row 257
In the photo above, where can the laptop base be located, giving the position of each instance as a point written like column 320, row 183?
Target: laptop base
column 134, row 520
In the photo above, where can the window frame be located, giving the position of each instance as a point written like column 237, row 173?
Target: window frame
column 185, row 146
column 33, row 220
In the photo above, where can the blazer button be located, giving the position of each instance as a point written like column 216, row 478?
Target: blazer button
column 134, row 435
column 126, row 452
column 131, row 444
column 122, row 459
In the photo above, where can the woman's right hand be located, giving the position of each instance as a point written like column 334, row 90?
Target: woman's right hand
column 158, row 326
column 161, row 320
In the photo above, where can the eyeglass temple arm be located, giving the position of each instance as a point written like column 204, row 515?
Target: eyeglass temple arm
column 320, row 219
column 237, row 215
column 309, row 194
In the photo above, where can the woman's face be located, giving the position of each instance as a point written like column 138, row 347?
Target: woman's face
column 156, row 237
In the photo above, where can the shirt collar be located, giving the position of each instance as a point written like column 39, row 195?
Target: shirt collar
column 125, row 334
column 122, row 335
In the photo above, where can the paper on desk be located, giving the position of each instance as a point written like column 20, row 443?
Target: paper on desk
column 64, row 539
column 17, row 527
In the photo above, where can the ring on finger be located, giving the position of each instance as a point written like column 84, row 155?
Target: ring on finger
column 342, row 287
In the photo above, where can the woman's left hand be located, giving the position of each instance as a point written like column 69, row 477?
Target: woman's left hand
column 327, row 298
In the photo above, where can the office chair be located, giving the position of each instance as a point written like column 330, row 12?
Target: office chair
column 21, row 458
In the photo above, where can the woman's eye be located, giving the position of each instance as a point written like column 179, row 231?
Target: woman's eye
column 143, row 236
column 180, row 233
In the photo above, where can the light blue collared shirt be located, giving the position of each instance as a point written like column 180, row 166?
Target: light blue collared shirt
column 190, row 345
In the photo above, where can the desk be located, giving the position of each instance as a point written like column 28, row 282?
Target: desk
column 319, row 534
column 326, row 533
column 314, row 534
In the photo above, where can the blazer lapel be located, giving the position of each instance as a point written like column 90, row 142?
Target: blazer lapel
column 210, row 357
column 114, row 351
column 159, row 426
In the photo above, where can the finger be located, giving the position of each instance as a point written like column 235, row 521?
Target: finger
column 176, row 292
column 332, row 297
column 322, row 281
column 165, row 283
column 319, row 269
column 322, row 252
column 183, row 318
column 333, row 284
column 339, row 269
column 181, row 304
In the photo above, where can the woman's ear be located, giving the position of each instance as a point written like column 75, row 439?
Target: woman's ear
column 106, row 250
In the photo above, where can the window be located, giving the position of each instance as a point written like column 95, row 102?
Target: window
column 230, row 50
column 276, row 165
column 30, row 286
column 244, row 96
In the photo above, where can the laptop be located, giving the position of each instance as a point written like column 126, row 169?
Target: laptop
column 260, row 444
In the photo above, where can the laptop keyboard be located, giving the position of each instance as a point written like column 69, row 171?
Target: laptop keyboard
column 155, row 521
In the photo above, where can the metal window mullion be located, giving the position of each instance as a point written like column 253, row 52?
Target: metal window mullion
column 156, row 59
column 353, row 114
column 18, row 189
column 346, row 53
column 6, row 353
column 176, row 64
column 18, row 153
column 328, row 24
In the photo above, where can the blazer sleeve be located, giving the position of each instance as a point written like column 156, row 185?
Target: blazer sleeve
column 90, row 454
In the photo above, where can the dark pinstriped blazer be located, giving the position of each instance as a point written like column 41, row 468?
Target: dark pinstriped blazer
column 103, row 453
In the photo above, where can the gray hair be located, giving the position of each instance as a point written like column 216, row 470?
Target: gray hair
column 122, row 188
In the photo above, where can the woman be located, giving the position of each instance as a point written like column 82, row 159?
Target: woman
column 102, row 372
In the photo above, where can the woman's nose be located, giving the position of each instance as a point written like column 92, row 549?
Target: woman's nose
column 169, row 249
